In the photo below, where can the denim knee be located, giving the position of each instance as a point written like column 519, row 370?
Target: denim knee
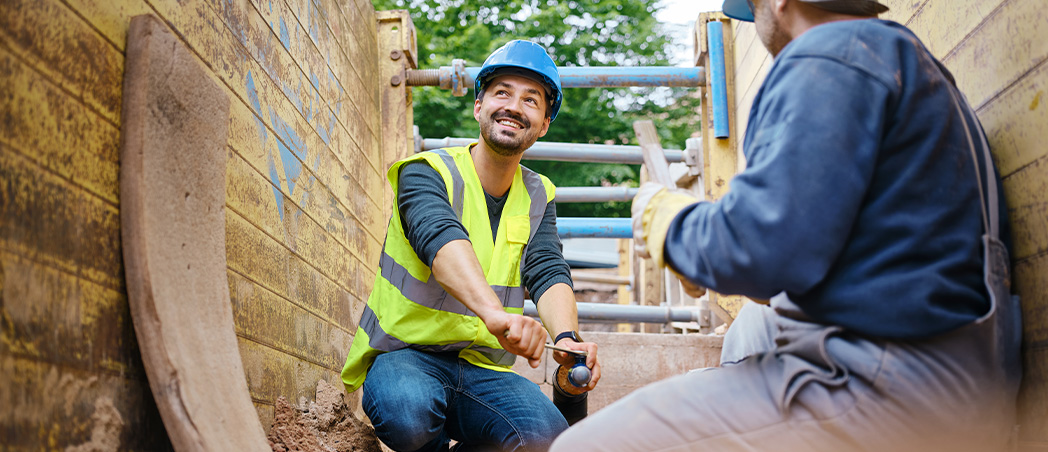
column 405, row 423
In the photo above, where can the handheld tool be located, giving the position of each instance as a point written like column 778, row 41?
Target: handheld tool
column 579, row 375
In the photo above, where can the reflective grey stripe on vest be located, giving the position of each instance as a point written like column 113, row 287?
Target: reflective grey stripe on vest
column 431, row 295
column 458, row 185
column 379, row 340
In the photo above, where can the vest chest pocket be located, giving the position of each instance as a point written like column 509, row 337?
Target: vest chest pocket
column 518, row 228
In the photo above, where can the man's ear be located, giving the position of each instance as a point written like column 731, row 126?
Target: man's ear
column 476, row 110
column 545, row 127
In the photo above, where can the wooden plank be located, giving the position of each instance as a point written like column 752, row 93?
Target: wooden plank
column 266, row 318
column 941, row 26
column 654, row 156
column 745, row 104
column 56, row 131
column 1000, row 51
column 1030, row 281
column 53, row 407
column 1014, row 122
column 172, row 183
column 271, row 374
column 56, row 317
column 65, row 49
column 1027, row 194
column 1033, row 399
column 58, row 224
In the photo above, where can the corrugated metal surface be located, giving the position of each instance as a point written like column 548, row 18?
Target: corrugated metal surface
column 304, row 188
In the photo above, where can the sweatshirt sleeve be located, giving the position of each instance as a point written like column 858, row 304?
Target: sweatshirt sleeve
column 811, row 146
column 544, row 264
column 426, row 215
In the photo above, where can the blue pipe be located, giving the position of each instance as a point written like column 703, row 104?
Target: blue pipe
column 606, row 228
column 719, row 85
column 620, row 76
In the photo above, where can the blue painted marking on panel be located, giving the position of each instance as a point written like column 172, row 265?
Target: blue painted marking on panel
column 612, row 228
column 719, row 83
column 275, row 179
column 285, row 38
column 290, row 146
column 256, row 105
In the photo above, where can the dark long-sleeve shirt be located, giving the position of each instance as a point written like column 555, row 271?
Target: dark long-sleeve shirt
column 859, row 199
column 430, row 223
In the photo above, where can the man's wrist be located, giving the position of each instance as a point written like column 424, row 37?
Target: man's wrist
column 571, row 334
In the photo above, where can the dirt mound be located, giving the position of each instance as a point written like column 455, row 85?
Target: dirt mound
column 324, row 425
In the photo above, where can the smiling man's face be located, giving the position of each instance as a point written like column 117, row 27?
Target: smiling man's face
column 512, row 114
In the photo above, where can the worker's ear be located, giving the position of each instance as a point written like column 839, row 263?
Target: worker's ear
column 545, row 127
column 778, row 7
column 476, row 110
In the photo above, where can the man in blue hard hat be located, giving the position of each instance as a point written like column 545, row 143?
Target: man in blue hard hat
column 871, row 215
column 473, row 230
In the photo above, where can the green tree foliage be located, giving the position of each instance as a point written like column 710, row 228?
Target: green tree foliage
column 575, row 33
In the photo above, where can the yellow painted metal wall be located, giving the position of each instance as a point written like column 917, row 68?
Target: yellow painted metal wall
column 305, row 196
column 998, row 52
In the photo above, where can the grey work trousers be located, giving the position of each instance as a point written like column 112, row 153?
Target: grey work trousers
column 825, row 389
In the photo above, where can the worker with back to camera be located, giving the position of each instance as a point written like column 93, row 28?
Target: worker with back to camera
column 444, row 324
column 871, row 214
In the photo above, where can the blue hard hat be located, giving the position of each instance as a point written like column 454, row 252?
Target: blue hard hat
column 535, row 62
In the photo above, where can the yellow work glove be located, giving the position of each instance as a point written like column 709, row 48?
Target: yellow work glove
column 653, row 209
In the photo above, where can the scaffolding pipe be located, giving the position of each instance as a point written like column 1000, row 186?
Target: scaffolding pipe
column 601, row 278
column 719, row 83
column 595, row 194
column 459, row 78
column 561, row 152
column 605, row 228
column 620, row 313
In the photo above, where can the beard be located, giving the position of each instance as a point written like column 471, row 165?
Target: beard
column 507, row 143
column 770, row 31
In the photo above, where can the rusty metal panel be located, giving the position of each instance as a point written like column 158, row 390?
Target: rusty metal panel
column 266, row 318
column 1027, row 194
column 271, row 374
column 54, row 407
column 64, row 48
column 56, row 131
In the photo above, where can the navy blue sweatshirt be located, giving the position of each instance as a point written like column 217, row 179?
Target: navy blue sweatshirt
column 430, row 223
column 859, row 199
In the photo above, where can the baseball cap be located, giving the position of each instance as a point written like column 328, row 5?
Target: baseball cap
column 740, row 9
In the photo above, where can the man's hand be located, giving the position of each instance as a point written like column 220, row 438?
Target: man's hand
column 518, row 334
column 567, row 360
column 652, row 211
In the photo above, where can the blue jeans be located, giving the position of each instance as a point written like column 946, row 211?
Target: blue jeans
column 418, row 401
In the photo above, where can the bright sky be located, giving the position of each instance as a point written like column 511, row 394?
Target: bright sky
column 679, row 17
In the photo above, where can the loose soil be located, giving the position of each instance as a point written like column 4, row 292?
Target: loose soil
column 324, row 425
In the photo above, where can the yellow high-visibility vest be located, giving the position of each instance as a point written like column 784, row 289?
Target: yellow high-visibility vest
column 407, row 308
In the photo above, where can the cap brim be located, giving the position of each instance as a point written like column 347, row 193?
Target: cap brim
column 738, row 10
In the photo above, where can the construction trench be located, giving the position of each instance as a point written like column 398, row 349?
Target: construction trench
column 194, row 202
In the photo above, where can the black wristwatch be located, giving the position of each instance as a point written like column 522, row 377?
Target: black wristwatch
column 574, row 335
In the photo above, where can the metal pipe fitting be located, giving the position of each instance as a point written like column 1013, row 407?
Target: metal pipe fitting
column 607, row 228
column 578, row 77
column 618, row 313
column 565, row 152
column 595, row 194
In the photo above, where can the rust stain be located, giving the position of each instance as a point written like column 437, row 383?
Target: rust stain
column 1036, row 100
